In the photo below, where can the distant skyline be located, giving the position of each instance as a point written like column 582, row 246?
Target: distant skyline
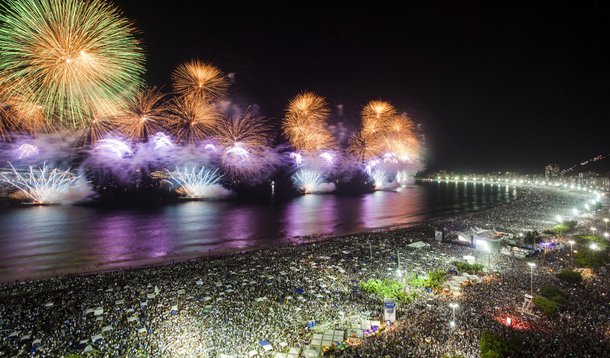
column 496, row 86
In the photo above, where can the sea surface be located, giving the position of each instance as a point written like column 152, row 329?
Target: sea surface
column 40, row 241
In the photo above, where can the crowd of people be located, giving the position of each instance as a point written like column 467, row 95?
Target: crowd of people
column 233, row 305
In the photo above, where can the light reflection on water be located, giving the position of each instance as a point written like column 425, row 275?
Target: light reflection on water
column 38, row 241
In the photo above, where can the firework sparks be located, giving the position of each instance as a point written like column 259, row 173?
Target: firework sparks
column 145, row 115
column 192, row 120
column 70, row 57
column 376, row 116
column 42, row 185
column 307, row 180
column 304, row 123
column 247, row 131
column 194, row 183
column 21, row 116
column 199, row 80
column 379, row 179
column 96, row 128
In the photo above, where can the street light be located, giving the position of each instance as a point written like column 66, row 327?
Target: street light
column 594, row 247
column 531, row 265
column 606, row 235
column 593, row 230
column 606, row 221
column 571, row 242
column 453, row 307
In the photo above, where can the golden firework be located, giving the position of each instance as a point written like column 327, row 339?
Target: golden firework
column 192, row 120
column 305, row 125
column 145, row 115
column 384, row 132
column 248, row 131
column 97, row 128
column 199, row 80
column 376, row 117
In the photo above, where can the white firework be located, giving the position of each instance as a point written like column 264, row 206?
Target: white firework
column 298, row 158
column 114, row 147
column 27, row 150
column 42, row 185
column 307, row 180
column 193, row 182
column 329, row 157
column 379, row 178
column 162, row 141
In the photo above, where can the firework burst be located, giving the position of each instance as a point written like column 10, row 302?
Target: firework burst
column 70, row 57
column 245, row 139
column 95, row 129
column 199, row 80
column 379, row 179
column 307, row 181
column 27, row 150
column 42, row 185
column 195, row 183
column 192, row 120
column 145, row 115
column 22, row 116
column 376, row 116
column 114, row 148
column 304, row 123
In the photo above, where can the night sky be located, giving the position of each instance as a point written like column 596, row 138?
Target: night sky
column 496, row 85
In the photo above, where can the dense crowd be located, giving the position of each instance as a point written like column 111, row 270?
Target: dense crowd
column 228, row 305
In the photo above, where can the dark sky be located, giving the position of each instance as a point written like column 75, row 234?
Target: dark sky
column 497, row 85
